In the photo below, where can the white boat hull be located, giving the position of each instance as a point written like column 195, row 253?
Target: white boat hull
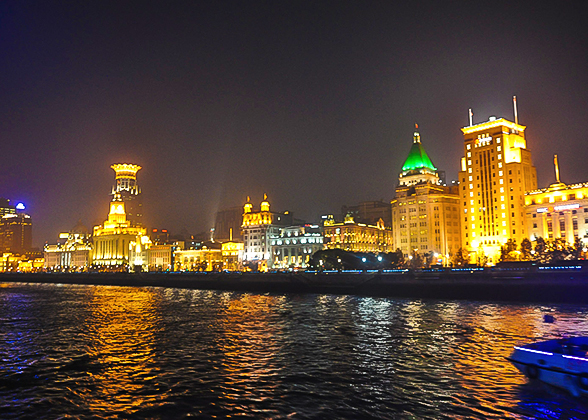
column 561, row 363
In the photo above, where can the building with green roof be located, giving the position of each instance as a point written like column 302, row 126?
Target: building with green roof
column 425, row 213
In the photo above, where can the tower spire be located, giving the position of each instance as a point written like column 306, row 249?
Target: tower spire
column 556, row 169
column 416, row 135
column 514, row 103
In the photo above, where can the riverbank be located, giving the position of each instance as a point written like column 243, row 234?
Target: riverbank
column 552, row 287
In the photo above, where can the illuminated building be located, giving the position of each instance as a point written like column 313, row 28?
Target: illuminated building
column 160, row 257
column 73, row 254
column 204, row 259
column 294, row 246
column 114, row 239
column 425, row 213
column 16, row 233
column 558, row 211
column 496, row 171
column 357, row 237
column 258, row 228
column 232, row 253
column 5, row 207
column 130, row 192
column 20, row 263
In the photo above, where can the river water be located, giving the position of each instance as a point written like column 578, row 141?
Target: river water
column 121, row 352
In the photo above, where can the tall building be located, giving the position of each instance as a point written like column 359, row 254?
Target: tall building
column 6, row 207
column 130, row 192
column 123, row 230
column 496, row 171
column 425, row 213
column 558, row 211
column 16, row 233
column 258, row 228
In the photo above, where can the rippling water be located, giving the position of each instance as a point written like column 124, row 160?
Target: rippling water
column 120, row 352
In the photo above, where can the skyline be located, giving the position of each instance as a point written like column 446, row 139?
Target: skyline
column 313, row 105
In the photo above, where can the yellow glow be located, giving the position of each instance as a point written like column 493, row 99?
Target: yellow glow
column 125, row 170
column 492, row 124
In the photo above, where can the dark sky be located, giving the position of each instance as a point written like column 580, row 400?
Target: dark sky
column 311, row 102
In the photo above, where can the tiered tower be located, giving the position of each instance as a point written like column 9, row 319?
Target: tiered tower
column 122, row 235
column 130, row 192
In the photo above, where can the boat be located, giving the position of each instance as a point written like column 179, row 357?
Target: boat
column 559, row 362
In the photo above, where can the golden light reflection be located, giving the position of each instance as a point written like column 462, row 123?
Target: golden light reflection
column 249, row 345
column 122, row 325
column 496, row 330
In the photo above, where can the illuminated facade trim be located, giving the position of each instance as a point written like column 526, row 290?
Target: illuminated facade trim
column 257, row 229
column 558, row 211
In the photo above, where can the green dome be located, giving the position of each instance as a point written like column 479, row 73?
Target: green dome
column 417, row 159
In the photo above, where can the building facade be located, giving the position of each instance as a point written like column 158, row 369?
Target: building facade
column 114, row 239
column 425, row 213
column 294, row 246
column 357, row 237
column 16, row 233
column 258, row 228
column 72, row 253
column 496, row 171
column 558, row 211
column 232, row 254
column 6, row 207
column 204, row 259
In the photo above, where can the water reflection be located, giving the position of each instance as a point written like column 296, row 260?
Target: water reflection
column 168, row 353
column 121, row 329
column 248, row 343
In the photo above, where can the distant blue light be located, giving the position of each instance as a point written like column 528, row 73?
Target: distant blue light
column 20, row 206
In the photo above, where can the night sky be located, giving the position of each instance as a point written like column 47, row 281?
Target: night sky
column 311, row 102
